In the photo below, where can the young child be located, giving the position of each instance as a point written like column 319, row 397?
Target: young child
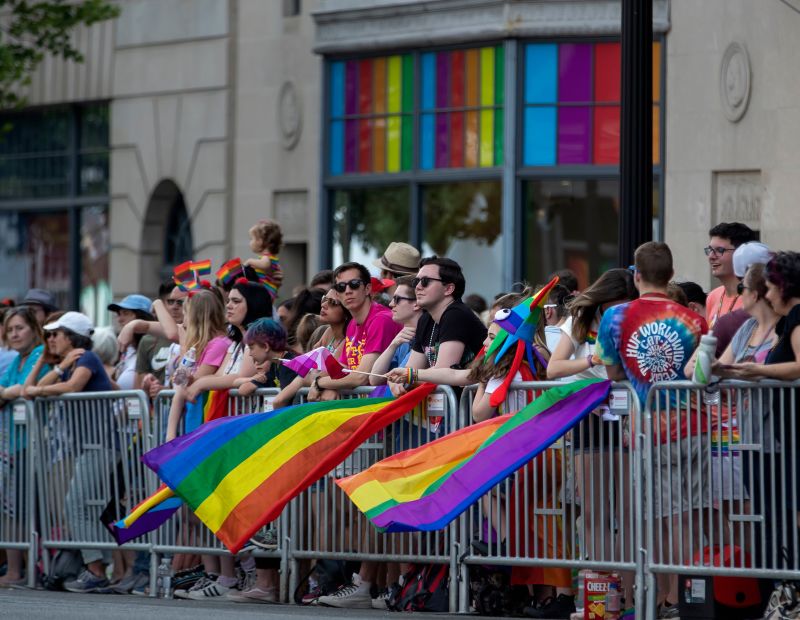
column 266, row 239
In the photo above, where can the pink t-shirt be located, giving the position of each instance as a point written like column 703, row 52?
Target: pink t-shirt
column 719, row 304
column 214, row 352
column 373, row 336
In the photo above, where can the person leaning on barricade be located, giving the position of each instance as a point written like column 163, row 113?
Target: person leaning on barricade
column 573, row 359
column 646, row 341
column 79, row 371
column 155, row 351
column 23, row 335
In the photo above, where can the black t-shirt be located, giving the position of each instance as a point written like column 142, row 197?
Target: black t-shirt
column 279, row 375
column 458, row 323
column 783, row 352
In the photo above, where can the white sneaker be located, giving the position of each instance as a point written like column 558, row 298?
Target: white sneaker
column 210, row 590
column 382, row 600
column 353, row 596
column 200, row 583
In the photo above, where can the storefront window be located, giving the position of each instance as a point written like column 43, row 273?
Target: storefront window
column 94, row 150
column 95, row 246
column 367, row 220
column 572, row 104
column 462, row 221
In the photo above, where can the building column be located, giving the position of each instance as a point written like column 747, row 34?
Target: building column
column 510, row 216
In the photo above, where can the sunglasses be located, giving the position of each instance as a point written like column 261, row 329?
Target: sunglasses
column 330, row 301
column 740, row 288
column 398, row 298
column 425, row 281
column 175, row 302
column 354, row 284
column 50, row 334
column 719, row 250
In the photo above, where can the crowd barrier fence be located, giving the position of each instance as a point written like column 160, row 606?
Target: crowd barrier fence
column 732, row 482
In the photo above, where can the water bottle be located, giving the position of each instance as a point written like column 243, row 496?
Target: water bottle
column 579, row 592
column 164, row 579
column 705, row 358
column 185, row 368
column 613, row 602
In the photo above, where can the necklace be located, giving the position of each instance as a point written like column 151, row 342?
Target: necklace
column 716, row 316
column 430, row 353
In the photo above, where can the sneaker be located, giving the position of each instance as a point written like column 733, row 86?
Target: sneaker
column 199, row 584
column 312, row 596
column 213, row 589
column 783, row 603
column 668, row 611
column 186, row 578
column 127, row 584
column 266, row 538
column 87, row 581
column 562, row 606
column 381, row 601
column 354, row 596
column 253, row 595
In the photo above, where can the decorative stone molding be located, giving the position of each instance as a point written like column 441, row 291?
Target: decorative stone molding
column 739, row 197
column 734, row 81
column 290, row 115
column 354, row 26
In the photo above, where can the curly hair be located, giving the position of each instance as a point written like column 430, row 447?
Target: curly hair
column 269, row 233
column 783, row 270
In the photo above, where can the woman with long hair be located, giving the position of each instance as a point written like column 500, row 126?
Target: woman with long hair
column 595, row 439
column 23, row 335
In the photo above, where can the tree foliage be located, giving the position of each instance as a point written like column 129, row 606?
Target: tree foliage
column 31, row 29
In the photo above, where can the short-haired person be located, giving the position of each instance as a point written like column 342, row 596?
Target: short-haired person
column 80, row 371
column 724, row 239
column 448, row 333
column 41, row 301
column 367, row 335
column 323, row 280
column 695, row 297
column 131, row 308
column 399, row 259
column 646, row 341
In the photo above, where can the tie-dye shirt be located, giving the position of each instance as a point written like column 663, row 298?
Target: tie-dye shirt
column 652, row 340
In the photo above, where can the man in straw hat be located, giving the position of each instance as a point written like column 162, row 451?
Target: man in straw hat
column 399, row 259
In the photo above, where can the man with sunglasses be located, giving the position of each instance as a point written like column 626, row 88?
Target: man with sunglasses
column 154, row 352
column 368, row 333
column 725, row 238
column 448, row 333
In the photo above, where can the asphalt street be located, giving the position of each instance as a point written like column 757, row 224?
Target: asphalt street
column 24, row 604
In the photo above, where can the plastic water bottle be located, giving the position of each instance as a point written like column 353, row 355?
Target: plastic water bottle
column 613, row 602
column 185, row 368
column 579, row 591
column 164, row 579
column 705, row 358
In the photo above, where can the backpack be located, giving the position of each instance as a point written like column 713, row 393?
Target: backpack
column 330, row 576
column 65, row 565
column 426, row 587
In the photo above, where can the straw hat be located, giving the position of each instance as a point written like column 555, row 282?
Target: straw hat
column 399, row 258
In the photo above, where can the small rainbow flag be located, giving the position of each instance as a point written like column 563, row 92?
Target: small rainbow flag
column 208, row 406
column 230, row 271
column 202, row 269
column 184, row 277
column 426, row 488
column 237, row 473
column 146, row 516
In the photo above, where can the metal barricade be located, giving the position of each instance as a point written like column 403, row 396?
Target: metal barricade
column 723, row 495
column 186, row 533
column 17, row 484
column 88, row 465
column 326, row 524
column 571, row 508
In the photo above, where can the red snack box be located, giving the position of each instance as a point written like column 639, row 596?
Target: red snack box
column 595, row 588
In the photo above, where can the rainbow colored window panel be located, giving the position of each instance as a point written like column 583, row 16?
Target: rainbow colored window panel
column 572, row 104
column 461, row 108
column 371, row 115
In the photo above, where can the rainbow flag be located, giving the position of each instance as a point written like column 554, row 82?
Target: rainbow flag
column 230, row 271
column 146, row 516
column 202, row 269
column 237, row 473
column 208, row 406
column 426, row 488
column 184, row 277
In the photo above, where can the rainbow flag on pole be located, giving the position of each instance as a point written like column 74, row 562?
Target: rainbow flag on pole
column 146, row 516
column 426, row 488
column 237, row 473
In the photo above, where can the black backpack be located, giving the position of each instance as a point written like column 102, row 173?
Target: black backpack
column 426, row 587
column 330, row 576
column 65, row 566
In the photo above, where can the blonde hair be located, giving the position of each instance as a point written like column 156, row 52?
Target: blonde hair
column 269, row 233
column 204, row 320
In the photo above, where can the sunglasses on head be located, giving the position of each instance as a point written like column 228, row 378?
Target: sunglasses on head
column 719, row 250
column 398, row 298
column 335, row 303
column 425, row 281
column 354, row 284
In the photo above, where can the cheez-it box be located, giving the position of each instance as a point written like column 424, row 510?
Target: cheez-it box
column 595, row 588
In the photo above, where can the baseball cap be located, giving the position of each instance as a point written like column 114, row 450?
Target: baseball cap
column 132, row 302
column 73, row 321
column 399, row 258
column 40, row 297
column 751, row 253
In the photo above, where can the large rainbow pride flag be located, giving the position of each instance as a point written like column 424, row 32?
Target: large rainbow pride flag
column 424, row 489
column 237, row 473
